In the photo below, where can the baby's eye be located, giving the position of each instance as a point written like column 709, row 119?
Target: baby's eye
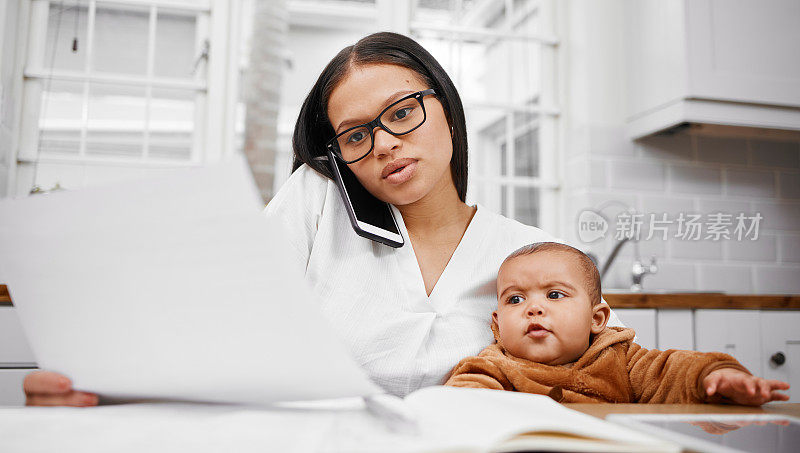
column 515, row 299
column 555, row 295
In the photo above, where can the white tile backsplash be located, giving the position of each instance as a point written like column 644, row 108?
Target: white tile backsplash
column 696, row 250
column 722, row 150
column 611, row 141
column 775, row 154
column 693, row 180
column 782, row 279
column 637, row 175
column 789, row 248
column 789, row 184
column 783, row 216
column 726, row 278
column 667, row 147
column 750, row 183
column 725, row 206
column 598, row 174
column 672, row 276
column 671, row 205
column 765, row 248
column 706, row 175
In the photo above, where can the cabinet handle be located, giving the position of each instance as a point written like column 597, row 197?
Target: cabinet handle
column 778, row 359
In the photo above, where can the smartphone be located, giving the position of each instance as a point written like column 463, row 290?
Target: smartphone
column 370, row 217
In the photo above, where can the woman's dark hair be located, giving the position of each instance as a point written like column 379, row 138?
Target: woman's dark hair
column 313, row 129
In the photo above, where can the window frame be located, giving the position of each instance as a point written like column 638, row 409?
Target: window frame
column 216, row 93
column 548, row 181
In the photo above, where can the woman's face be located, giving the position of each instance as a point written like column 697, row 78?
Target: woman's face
column 419, row 162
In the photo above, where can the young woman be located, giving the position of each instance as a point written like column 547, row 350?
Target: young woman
column 408, row 314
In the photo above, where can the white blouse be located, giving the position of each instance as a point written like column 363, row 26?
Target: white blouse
column 374, row 295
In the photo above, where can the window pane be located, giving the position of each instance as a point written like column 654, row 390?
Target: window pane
column 462, row 60
column 526, row 154
column 65, row 23
column 502, row 159
column 116, row 116
column 60, row 117
column 175, row 51
column 172, row 114
column 526, row 205
column 120, row 40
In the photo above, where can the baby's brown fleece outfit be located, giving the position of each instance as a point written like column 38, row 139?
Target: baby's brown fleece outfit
column 613, row 370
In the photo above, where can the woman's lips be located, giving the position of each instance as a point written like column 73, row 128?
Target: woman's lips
column 399, row 171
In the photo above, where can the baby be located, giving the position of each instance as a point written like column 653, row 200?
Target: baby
column 552, row 339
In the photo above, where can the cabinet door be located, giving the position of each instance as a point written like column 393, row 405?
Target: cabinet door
column 734, row 332
column 675, row 329
column 643, row 321
column 780, row 333
column 11, row 393
column 14, row 350
column 744, row 51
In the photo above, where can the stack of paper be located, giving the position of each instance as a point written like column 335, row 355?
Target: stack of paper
column 175, row 287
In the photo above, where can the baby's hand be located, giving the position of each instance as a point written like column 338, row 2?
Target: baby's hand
column 742, row 388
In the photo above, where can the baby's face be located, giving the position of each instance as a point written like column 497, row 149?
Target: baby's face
column 544, row 312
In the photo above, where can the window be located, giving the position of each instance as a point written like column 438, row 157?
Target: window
column 501, row 55
column 116, row 88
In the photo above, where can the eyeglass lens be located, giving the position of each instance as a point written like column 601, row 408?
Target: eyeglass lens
column 399, row 118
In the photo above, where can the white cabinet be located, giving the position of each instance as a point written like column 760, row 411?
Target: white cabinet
column 11, row 393
column 643, row 321
column 780, row 334
column 754, row 337
column 730, row 62
column 674, row 329
column 734, row 332
column 660, row 329
column 16, row 358
column 14, row 350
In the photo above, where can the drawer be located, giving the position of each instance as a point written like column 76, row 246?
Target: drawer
column 14, row 349
column 11, row 393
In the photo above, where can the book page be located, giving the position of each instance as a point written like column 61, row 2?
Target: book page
column 484, row 418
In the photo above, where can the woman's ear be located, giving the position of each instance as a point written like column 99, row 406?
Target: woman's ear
column 600, row 314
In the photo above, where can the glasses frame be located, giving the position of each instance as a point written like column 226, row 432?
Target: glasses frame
column 333, row 144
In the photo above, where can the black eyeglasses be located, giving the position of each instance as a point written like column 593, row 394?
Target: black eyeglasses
column 400, row 118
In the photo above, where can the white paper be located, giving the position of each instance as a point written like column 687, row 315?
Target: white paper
column 200, row 428
column 173, row 287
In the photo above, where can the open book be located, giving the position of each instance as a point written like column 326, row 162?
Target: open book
column 483, row 420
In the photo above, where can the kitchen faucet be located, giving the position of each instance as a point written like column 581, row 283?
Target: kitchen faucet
column 639, row 269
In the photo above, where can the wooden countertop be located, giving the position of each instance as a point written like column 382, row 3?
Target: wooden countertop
column 5, row 298
column 653, row 300
column 602, row 410
column 702, row 300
